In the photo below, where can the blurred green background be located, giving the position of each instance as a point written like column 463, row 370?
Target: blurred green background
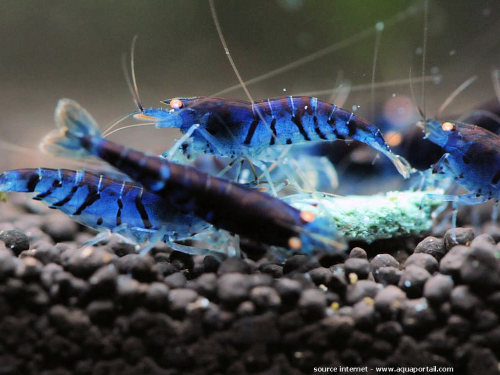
column 55, row 49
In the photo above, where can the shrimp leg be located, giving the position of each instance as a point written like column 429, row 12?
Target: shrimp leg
column 269, row 179
column 494, row 213
column 209, row 137
column 442, row 164
column 175, row 148
column 122, row 232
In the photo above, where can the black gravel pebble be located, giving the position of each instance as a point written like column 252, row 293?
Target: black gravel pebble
column 312, row 303
column 482, row 361
column 120, row 248
column 300, row 263
column 493, row 230
column 463, row 300
column 485, row 320
column 437, row 289
column 179, row 299
column 320, row 275
column 458, row 327
column 61, row 228
column 418, row 316
column 481, row 267
column 44, row 251
column 211, row 263
column 426, row 261
column 129, row 291
column 30, row 269
column 15, row 240
column 390, row 300
column 383, row 260
column 387, row 275
column 289, row 290
column 363, row 288
column 390, row 330
column 358, row 266
column 453, row 260
column 231, row 265
column 432, row 246
column 157, row 296
column 358, row 252
column 275, row 270
column 206, row 285
column 140, row 267
column 103, row 281
column 232, row 288
column 463, row 236
column 176, row 280
column 182, row 261
column 246, row 308
column 412, row 280
column 101, row 312
column 82, row 262
column 363, row 314
column 265, row 297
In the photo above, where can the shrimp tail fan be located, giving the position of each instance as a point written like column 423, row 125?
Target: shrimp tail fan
column 74, row 123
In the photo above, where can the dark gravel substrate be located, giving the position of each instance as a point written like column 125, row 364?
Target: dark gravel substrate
column 106, row 310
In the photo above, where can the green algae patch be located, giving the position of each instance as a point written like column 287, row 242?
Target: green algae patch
column 375, row 217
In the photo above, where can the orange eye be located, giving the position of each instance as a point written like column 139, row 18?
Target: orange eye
column 294, row 243
column 393, row 138
column 447, row 126
column 176, row 103
column 307, row 216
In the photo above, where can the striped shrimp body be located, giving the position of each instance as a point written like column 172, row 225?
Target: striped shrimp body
column 472, row 158
column 104, row 204
column 227, row 205
column 234, row 128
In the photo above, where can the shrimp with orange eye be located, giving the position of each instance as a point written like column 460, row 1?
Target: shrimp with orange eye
column 240, row 129
column 472, row 158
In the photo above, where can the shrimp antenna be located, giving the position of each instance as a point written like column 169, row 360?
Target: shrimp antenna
column 132, row 84
column 495, row 76
column 379, row 27
column 454, row 94
column 412, row 92
column 226, row 49
column 116, row 123
column 399, row 17
column 424, row 49
column 233, row 65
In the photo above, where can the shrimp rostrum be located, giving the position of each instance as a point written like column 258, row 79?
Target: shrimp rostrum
column 235, row 129
column 225, row 204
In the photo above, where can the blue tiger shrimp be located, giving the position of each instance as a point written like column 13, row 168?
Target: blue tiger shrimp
column 110, row 205
column 247, row 212
column 237, row 129
column 472, row 159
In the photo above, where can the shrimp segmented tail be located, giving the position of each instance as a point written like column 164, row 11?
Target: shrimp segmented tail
column 227, row 205
column 104, row 203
